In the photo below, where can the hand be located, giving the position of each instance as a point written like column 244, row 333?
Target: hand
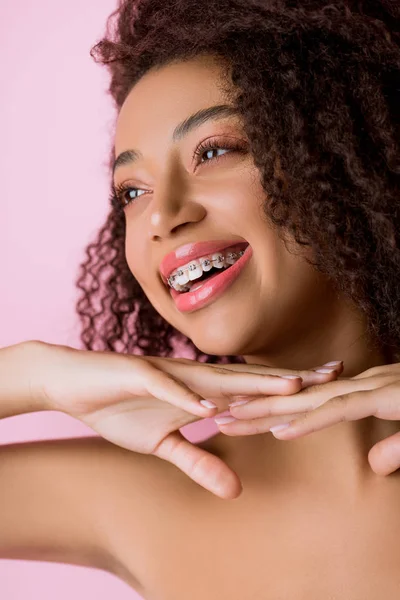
column 375, row 392
column 140, row 403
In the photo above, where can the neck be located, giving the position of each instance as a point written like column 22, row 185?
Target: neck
column 336, row 456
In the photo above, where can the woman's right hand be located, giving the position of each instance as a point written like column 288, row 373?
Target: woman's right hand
column 140, row 403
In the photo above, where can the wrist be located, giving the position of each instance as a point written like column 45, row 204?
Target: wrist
column 20, row 388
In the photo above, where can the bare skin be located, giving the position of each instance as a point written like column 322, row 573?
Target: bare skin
column 311, row 506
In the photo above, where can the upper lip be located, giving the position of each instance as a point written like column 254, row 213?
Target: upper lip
column 184, row 254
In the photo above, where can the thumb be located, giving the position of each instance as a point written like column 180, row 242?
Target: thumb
column 204, row 468
column 384, row 457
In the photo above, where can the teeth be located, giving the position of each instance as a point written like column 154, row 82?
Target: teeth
column 182, row 276
column 218, row 260
column 194, row 270
column 181, row 288
column 205, row 264
column 231, row 258
column 181, row 279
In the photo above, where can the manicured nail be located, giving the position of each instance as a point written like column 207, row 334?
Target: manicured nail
column 208, row 404
column 324, row 370
column 279, row 427
column 333, row 363
column 239, row 402
column 224, row 420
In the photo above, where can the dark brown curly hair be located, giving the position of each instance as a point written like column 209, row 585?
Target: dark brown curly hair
column 317, row 85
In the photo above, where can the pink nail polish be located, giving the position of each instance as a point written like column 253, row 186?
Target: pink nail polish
column 224, row 420
column 334, row 363
column 239, row 402
column 208, row 404
column 279, row 427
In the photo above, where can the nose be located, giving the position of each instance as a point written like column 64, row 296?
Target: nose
column 170, row 211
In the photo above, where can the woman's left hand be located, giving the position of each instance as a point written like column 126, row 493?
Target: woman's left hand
column 375, row 392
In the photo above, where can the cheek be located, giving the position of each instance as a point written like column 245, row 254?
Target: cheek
column 142, row 268
column 136, row 256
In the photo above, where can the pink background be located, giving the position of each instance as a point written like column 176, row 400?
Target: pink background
column 55, row 123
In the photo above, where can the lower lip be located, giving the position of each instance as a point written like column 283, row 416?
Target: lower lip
column 212, row 288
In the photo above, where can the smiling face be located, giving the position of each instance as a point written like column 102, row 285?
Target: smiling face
column 175, row 199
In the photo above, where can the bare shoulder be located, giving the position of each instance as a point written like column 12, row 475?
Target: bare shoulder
column 59, row 500
column 150, row 504
column 86, row 501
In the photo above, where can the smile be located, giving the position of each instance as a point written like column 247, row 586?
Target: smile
column 203, row 287
column 182, row 278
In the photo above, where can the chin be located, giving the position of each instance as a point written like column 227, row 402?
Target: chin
column 222, row 341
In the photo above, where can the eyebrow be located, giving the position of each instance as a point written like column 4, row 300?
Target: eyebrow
column 212, row 113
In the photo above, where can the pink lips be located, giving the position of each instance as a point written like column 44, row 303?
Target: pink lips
column 185, row 254
column 212, row 288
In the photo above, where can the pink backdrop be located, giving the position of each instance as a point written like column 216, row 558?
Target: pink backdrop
column 55, row 120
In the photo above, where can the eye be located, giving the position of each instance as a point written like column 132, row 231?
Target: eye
column 120, row 195
column 211, row 145
column 119, row 192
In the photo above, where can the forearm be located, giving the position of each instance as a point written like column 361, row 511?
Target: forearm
column 18, row 394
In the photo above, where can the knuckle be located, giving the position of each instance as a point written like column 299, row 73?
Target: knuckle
column 382, row 370
column 314, row 389
column 219, row 370
column 270, row 408
column 372, row 371
column 340, row 400
column 199, row 466
column 341, row 404
column 307, row 420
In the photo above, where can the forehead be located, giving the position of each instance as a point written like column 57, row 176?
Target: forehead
column 163, row 96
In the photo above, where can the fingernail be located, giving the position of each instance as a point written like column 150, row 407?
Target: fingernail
column 279, row 427
column 333, row 363
column 324, row 370
column 224, row 420
column 239, row 402
column 208, row 404
column 290, row 377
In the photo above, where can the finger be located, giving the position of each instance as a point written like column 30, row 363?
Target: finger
column 378, row 401
column 247, row 367
column 204, row 468
column 309, row 377
column 347, row 407
column 222, row 383
column 218, row 384
column 310, row 399
column 178, row 367
column 233, row 427
column 166, row 387
column 384, row 457
column 322, row 374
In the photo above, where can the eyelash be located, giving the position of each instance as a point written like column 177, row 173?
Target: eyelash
column 118, row 192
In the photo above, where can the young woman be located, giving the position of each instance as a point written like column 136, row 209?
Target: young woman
column 255, row 216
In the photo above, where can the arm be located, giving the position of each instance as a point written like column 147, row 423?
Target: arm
column 17, row 365
column 50, row 508
column 55, row 495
